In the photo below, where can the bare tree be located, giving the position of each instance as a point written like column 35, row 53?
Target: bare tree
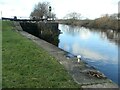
column 73, row 18
column 73, row 15
column 41, row 10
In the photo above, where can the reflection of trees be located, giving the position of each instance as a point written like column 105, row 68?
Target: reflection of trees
column 71, row 30
column 111, row 35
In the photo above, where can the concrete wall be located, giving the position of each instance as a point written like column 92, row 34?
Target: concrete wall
column 44, row 30
column 49, row 32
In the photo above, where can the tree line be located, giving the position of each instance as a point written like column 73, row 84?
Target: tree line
column 104, row 22
column 43, row 10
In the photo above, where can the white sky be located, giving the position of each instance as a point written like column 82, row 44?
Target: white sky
column 87, row 8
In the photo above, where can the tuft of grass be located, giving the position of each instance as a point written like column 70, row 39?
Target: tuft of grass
column 25, row 65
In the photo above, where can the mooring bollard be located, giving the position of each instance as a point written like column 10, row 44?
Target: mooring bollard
column 79, row 58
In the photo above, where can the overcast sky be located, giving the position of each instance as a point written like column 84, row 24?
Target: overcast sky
column 87, row 8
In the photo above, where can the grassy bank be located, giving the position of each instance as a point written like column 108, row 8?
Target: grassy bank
column 25, row 65
column 0, row 54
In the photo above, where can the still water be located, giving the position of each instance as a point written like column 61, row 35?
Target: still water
column 99, row 48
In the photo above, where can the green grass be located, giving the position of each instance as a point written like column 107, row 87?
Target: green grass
column 25, row 65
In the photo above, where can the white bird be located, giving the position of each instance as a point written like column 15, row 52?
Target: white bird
column 79, row 58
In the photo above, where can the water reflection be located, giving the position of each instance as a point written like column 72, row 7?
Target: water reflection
column 77, row 49
column 111, row 35
column 98, row 47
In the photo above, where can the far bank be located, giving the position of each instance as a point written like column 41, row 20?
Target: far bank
column 100, row 23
